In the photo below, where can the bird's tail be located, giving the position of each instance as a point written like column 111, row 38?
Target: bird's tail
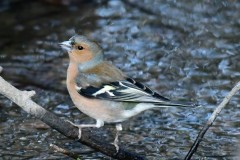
column 171, row 103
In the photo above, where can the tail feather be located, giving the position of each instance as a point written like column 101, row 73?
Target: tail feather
column 176, row 104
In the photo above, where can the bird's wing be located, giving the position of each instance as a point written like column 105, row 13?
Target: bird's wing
column 126, row 91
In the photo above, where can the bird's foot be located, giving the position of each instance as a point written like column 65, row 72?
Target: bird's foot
column 79, row 127
column 115, row 143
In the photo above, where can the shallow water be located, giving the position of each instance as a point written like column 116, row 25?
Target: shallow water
column 186, row 51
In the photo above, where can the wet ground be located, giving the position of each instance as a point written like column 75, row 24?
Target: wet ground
column 186, row 51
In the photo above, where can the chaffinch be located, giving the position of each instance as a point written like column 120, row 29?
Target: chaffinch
column 102, row 91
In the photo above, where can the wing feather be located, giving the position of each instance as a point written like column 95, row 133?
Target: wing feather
column 125, row 91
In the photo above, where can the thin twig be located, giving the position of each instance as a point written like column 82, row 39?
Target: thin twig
column 211, row 120
column 64, row 151
column 90, row 137
column 140, row 8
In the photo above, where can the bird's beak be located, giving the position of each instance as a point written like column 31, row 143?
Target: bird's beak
column 66, row 45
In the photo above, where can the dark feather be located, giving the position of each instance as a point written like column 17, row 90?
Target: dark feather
column 147, row 89
column 127, row 91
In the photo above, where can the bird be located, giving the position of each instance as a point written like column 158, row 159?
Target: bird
column 102, row 91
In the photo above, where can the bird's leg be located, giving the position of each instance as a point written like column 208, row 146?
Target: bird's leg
column 115, row 142
column 98, row 124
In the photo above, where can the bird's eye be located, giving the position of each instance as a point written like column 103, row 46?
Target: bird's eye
column 80, row 48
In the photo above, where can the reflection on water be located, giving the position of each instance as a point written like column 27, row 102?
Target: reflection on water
column 185, row 50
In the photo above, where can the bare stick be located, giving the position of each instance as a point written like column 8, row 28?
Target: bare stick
column 64, row 151
column 211, row 120
column 89, row 136
column 1, row 69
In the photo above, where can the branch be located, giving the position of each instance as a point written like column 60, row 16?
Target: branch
column 65, row 151
column 89, row 137
column 211, row 120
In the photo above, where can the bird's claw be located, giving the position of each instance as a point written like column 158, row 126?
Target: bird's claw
column 115, row 143
column 78, row 126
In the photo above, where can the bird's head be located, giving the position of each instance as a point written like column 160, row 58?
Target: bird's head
column 82, row 50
